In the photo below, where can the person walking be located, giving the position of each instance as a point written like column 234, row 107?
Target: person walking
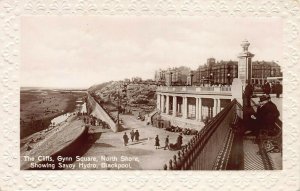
column 157, row 142
column 125, row 138
column 267, row 88
column 265, row 116
column 278, row 89
column 248, row 94
column 167, row 142
column 132, row 135
column 137, row 135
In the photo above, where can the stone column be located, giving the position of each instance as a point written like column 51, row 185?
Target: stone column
column 200, row 109
column 184, row 114
column 162, row 103
column 168, row 104
column 174, row 106
column 158, row 101
column 215, row 109
column 197, row 109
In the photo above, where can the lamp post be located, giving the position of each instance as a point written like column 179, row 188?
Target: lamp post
column 211, row 78
column 191, row 75
column 203, row 80
column 171, row 78
column 228, row 78
column 199, row 75
column 118, row 109
column 122, row 87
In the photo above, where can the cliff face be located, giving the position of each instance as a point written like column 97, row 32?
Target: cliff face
column 98, row 87
column 137, row 96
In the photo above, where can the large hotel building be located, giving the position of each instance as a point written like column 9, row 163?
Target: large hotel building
column 221, row 72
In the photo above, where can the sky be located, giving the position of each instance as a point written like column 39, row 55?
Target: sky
column 80, row 51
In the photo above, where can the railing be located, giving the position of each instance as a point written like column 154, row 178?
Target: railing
column 225, row 89
column 202, row 150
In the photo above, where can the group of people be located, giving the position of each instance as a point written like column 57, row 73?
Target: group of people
column 134, row 135
column 272, row 88
column 169, row 146
column 267, row 90
column 185, row 131
column 92, row 120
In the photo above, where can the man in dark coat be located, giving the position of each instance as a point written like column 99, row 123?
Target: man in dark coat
column 132, row 135
column 125, row 138
column 137, row 135
column 248, row 94
column 267, row 88
column 157, row 142
column 278, row 89
column 167, row 142
column 265, row 116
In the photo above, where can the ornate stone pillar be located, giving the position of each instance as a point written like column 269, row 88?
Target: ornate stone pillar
column 168, row 104
column 174, row 106
column 245, row 64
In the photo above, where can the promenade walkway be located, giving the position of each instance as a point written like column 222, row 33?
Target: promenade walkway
column 105, row 143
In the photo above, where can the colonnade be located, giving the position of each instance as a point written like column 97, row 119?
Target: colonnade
column 187, row 106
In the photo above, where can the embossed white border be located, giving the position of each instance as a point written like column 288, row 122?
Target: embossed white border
column 11, row 178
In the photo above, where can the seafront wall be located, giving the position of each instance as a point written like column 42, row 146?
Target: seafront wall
column 96, row 110
column 67, row 148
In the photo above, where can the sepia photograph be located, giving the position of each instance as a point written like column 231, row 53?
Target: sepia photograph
column 151, row 93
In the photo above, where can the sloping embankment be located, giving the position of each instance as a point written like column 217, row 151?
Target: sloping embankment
column 64, row 141
column 96, row 110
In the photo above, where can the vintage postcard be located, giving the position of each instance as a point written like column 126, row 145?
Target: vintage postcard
column 202, row 94
column 119, row 93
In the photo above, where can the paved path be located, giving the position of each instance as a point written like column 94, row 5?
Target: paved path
column 108, row 144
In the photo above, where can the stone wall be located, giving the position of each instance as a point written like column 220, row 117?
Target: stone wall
column 96, row 110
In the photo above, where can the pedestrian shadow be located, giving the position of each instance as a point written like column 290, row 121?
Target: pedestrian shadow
column 89, row 142
column 80, row 148
column 124, row 128
column 143, row 139
column 102, row 145
column 134, row 143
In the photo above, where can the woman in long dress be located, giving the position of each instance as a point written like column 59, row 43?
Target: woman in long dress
column 156, row 142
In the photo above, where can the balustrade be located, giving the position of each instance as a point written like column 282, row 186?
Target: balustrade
column 195, row 89
column 202, row 150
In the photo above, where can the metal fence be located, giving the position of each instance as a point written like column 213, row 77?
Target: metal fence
column 201, row 152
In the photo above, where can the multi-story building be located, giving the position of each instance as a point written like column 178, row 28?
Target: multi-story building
column 172, row 76
column 160, row 75
column 223, row 72
column 262, row 69
column 216, row 72
column 213, row 72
